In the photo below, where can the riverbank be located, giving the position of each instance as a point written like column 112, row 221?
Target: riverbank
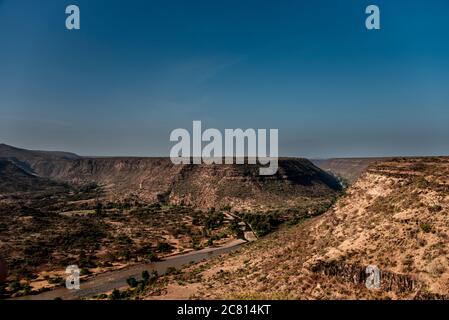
column 111, row 280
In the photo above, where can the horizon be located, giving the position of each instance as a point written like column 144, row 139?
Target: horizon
column 162, row 156
column 134, row 73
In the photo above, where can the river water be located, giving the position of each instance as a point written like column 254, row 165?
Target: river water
column 109, row 281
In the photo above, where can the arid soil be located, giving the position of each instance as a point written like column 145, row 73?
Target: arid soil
column 201, row 186
column 103, row 214
column 395, row 217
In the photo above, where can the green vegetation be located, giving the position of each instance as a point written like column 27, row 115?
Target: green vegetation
column 235, row 229
column 164, row 247
column 152, row 257
column 227, row 208
column 135, row 287
column 117, row 295
column 99, row 208
column 214, row 220
column 262, row 224
column 132, row 282
column 425, row 227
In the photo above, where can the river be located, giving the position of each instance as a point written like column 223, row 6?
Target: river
column 111, row 280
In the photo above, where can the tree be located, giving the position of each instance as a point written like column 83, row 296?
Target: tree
column 164, row 247
column 115, row 295
column 149, row 278
column 132, row 282
column 152, row 257
column 145, row 276
column 99, row 208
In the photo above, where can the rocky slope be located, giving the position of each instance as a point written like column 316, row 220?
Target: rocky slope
column 395, row 217
column 14, row 179
column 349, row 169
column 202, row 186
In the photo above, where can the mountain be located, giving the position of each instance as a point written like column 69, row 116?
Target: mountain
column 14, row 179
column 30, row 160
column 395, row 216
column 202, row 186
column 7, row 151
column 241, row 187
column 348, row 169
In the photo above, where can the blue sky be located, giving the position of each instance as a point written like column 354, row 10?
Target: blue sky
column 139, row 69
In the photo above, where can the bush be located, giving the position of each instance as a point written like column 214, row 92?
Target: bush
column 15, row 286
column 85, row 261
column 149, row 278
column 171, row 270
column 99, row 208
column 164, row 247
column 145, row 275
column 235, row 229
column 227, row 208
column 152, row 257
column 88, row 187
column 435, row 208
column 214, row 220
column 2, row 290
column 425, row 227
column 85, row 272
column 262, row 224
column 115, row 295
column 132, row 282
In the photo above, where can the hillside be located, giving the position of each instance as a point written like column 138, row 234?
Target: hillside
column 241, row 187
column 349, row 169
column 395, row 217
column 34, row 156
column 202, row 186
column 120, row 211
column 14, row 179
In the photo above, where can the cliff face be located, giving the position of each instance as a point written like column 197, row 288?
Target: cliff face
column 118, row 177
column 241, row 186
column 14, row 179
column 203, row 186
column 395, row 217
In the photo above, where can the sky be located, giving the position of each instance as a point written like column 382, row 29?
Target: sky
column 139, row 69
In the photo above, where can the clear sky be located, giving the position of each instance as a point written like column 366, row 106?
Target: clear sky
column 139, row 69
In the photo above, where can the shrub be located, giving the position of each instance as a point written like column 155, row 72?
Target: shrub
column 15, row 286
column 85, row 272
column 115, row 295
column 214, row 220
column 262, row 224
column 152, row 257
column 171, row 270
column 425, row 227
column 149, row 278
column 164, row 247
column 227, row 208
column 99, row 208
column 132, row 282
column 235, row 229
column 435, row 208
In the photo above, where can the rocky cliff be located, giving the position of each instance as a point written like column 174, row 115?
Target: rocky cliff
column 395, row 217
column 203, row 186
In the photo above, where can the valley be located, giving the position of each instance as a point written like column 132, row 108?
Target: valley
column 141, row 228
column 107, row 214
column 394, row 216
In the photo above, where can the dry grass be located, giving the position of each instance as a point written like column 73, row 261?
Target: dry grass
column 395, row 216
